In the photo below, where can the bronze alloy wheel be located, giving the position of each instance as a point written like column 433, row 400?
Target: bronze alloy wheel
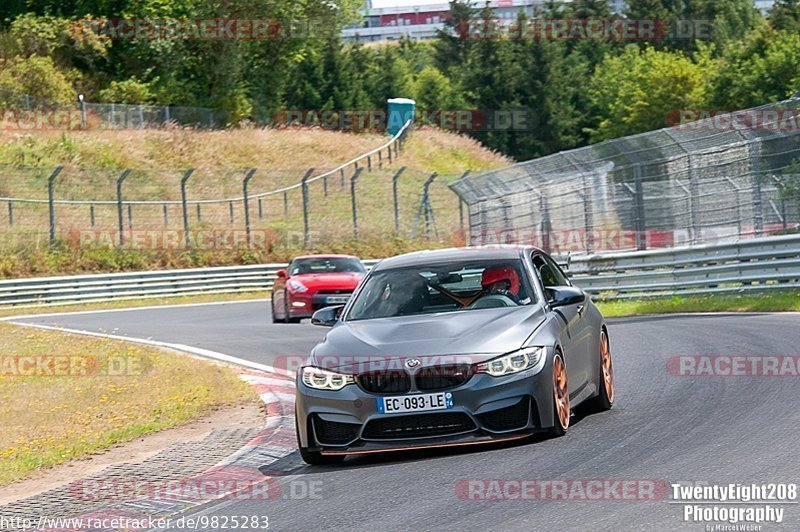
column 561, row 392
column 606, row 366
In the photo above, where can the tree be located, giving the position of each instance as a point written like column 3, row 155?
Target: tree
column 762, row 69
column 637, row 91
column 36, row 77
column 785, row 15
column 131, row 91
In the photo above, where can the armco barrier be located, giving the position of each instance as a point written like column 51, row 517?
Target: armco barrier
column 744, row 266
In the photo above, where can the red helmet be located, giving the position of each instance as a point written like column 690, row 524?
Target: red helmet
column 501, row 273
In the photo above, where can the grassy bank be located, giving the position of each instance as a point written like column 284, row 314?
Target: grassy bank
column 159, row 158
column 100, row 393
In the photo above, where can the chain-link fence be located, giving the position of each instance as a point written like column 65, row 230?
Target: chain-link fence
column 35, row 113
column 369, row 199
column 712, row 180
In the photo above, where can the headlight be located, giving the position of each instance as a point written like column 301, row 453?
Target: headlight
column 322, row 379
column 514, row 362
column 296, row 286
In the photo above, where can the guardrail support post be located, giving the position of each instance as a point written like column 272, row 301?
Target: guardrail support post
column 353, row 202
column 246, row 201
column 184, row 179
column 120, row 217
column 304, row 186
column 395, row 200
column 51, row 184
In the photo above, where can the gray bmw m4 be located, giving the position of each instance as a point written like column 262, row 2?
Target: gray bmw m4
column 452, row 347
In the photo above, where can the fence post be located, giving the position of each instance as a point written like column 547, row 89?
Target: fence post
column 246, row 201
column 758, row 207
column 10, row 213
column 304, row 187
column 199, row 216
column 341, row 174
column 166, row 216
column 547, row 226
column 285, row 204
column 91, row 214
column 51, row 183
column 260, row 209
column 120, row 217
column 230, row 209
column 353, row 201
column 638, row 198
column 585, row 194
column 184, row 179
column 395, row 200
column 461, row 206
column 325, row 185
column 130, row 216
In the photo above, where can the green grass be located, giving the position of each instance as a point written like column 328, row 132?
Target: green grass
column 50, row 419
column 781, row 301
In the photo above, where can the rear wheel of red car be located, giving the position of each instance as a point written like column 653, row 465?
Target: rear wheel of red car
column 272, row 310
column 561, row 409
column 316, row 457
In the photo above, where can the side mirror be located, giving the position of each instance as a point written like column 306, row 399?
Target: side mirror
column 327, row 317
column 281, row 273
column 561, row 296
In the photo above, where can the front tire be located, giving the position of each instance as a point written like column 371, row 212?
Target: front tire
column 561, row 409
column 605, row 396
column 315, row 457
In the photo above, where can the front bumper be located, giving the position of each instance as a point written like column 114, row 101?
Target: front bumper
column 485, row 409
column 303, row 305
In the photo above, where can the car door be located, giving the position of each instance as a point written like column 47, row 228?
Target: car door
column 577, row 335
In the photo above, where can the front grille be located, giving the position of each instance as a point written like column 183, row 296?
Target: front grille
column 389, row 381
column 418, row 426
column 443, row 377
column 511, row 417
column 333, row 432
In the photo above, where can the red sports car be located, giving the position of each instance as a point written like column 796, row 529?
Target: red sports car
column 312, row 282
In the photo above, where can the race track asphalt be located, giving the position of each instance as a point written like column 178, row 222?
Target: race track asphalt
column 663, row 428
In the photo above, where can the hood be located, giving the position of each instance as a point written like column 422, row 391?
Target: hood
column 482, row 334
column 329, row 281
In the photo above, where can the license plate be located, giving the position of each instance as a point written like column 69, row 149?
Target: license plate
column 337, row 299
column 415, row 403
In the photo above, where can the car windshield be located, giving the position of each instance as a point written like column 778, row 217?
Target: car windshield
column 326, row 265
column 424, row 289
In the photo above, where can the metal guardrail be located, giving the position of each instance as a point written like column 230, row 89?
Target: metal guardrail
column 745, row 266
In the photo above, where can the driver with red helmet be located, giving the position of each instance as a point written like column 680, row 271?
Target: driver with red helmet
column 501, row 280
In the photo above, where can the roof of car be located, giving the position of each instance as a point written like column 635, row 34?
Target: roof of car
column 445, row 255
column 326, row 256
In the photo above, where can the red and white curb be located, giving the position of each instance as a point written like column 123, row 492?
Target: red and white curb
column 244, row 475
